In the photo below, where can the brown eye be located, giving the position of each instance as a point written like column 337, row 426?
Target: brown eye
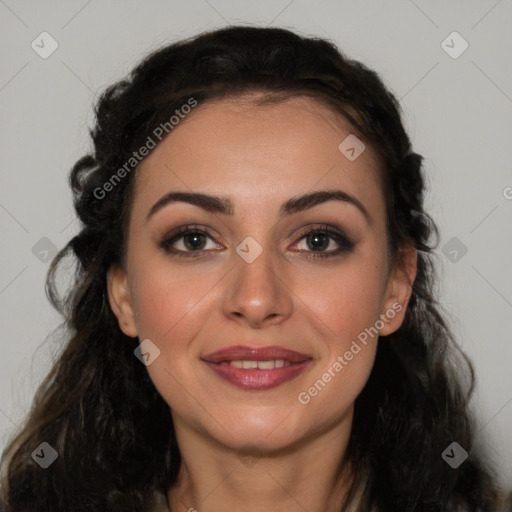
column 194, row 241
column 324, row 242
column 189, row 241
column 318, row 241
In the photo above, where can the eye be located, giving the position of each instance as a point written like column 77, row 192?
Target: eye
column 320, row 242
column 188, row 241
column 324, row 241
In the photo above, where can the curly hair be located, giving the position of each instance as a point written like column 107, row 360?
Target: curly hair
column 99, row 409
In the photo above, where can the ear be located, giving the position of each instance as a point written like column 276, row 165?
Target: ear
column 399, row 290
column 120, row 298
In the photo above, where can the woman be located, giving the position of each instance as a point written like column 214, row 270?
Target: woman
column 253, row 324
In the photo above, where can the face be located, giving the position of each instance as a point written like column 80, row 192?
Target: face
column 258, row 301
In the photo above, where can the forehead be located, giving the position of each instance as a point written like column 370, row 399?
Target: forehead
column 241, row 148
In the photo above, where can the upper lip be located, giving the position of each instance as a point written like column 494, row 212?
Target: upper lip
column 242, row 353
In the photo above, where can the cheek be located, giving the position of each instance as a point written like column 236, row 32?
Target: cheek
column 171, row 307
column 170, row 310
column 166, row 300
column 348, row 301
column 345, row 307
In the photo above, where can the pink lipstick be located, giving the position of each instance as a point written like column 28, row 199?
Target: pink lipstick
column 257, row 368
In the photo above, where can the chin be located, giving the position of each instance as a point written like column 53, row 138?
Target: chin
column 264, row 430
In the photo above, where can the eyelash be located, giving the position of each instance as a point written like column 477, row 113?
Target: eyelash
column 345, row 244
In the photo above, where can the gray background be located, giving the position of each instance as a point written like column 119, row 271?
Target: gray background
column 458, row 112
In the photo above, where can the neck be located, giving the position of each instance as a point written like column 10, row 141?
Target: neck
column 310, row 475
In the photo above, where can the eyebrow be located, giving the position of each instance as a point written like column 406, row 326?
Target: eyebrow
column 215, row 204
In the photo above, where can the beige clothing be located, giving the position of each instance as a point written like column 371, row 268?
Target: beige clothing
column 161, row 504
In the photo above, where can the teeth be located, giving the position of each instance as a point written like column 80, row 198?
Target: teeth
column 262, row 365
column 266, row 365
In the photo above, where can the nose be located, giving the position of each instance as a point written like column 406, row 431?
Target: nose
column 257, row 293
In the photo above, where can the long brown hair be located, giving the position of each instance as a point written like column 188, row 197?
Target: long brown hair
column 98, row 407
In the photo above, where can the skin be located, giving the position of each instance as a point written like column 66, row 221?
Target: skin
column 259, row 450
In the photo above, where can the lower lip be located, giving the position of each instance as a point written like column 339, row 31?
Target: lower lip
column 256, row 378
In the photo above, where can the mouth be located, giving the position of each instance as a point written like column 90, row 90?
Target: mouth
column 257, row 368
